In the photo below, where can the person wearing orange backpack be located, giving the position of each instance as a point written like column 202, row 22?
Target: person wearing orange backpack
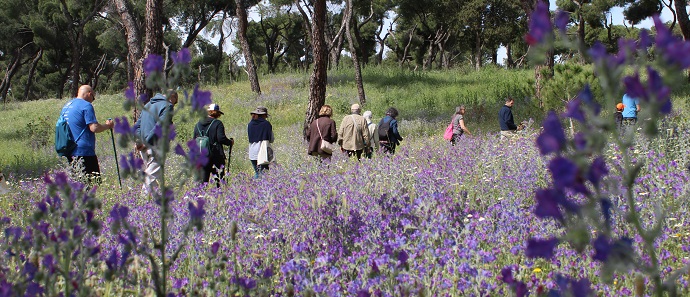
column 458, row 122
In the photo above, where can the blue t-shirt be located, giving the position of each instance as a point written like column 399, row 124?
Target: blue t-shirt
column 630, row 110
column 79, row 115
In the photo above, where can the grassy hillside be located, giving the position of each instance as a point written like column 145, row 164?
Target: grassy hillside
column 426, row 98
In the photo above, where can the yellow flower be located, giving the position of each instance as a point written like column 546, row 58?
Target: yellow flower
column 536, row 270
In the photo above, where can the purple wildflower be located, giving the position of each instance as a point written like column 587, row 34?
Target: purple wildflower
column 111, row 262
column 180, row 151
column 198, row 157
column 581, row 288
column 119, row 213
column 33, row 289
column 564, row 172
column 153, row 63
column 214, row 248
column 553, row 138
column 547, row 204
column 538, row 248
column 363, row 293
column 580, row 141
column 673, row 49
column 49, row 263
column 197, row 212
column 182, row 57
column 661, row 91
column 539, row 24
column 574, row 111
column 200, row 98
column 507, row 275
column 602, row 248
column 634, row 87
column 267, row 273
column 130, row 93
column 562, row 19
column 606, row 205
column 122, row 126
column 597, row 171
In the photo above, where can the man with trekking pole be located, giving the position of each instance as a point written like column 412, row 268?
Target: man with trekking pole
column 81, row 118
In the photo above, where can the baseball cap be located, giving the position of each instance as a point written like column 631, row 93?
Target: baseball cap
column 215, row 107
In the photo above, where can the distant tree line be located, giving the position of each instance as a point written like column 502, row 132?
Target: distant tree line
column 50, row 47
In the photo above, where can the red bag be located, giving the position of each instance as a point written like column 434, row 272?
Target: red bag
column 449, row 132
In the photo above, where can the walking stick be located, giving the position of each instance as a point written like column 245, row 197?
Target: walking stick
column 117, row 165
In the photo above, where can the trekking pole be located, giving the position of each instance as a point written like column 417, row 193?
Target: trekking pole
column 117, row 165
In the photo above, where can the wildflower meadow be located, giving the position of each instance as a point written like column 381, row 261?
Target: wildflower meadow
column 571, row 207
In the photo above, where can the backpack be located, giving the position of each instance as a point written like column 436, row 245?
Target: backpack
column 64, row 142
column 202, row 140
column 384, row 128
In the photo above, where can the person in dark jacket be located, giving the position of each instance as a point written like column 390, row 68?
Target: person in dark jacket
column 258, row 130
column 322, row 129
column 158, row 111
column 215, row 131
column 505, row 119
column 389, row 138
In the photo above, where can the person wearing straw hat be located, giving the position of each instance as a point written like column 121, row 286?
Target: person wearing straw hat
column 258, row 130
column 214, row 129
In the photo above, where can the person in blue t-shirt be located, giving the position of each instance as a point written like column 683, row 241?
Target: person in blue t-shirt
column 632, row 107
column 81, row 117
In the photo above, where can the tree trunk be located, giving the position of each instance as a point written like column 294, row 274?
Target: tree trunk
column 683, row 20
column 241, row 13
column 510, row 63
column 362, row 52
column 407, row 47
column 221, row 44
column 32, row 72
column 77, row 42
column 12, row 68
column 134, row 52
column 317, row 81
column 478, row 51
column 581, row 34
column 353, row 52
column 154, row 40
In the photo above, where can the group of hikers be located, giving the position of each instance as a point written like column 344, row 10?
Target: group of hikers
column 356, row 136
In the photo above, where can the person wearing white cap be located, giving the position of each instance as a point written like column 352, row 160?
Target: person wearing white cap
column 353, row 134
column 214, row 129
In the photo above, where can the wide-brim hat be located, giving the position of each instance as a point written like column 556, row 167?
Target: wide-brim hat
column 260, row 110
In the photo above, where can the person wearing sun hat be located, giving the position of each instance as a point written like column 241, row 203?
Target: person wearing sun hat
column 258, row 130
column 214, row 129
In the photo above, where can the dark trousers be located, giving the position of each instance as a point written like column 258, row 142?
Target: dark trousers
column 387, row 147
column 217, row 169
column 258, row 169
column 89, row 165
column 455, row 139
column 357, row 153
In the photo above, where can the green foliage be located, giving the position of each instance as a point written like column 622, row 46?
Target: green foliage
column 568, row 80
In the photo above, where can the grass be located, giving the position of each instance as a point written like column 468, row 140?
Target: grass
column 26, row 128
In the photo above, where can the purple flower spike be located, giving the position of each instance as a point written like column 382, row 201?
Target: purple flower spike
column 214, row 248
column 547, row 204
column 153, row 63
column 597, row 171
column 197, row 156
column 634, row 87
column 507, row 275
column 644, row 41
column 562, row 19
column 602, row 247
column 581, row 288
column 553, row 137
column 538, row 248
column 183, row 57
column 597, row 51
column 363, row 293
column 122, row 126
column 130, row 93
column 539, row 24
column 574, row 111
column 564, row 172
column 661, row 91
column 180, row 151
column 196, row 210
column 200, row 98
column 119, row 213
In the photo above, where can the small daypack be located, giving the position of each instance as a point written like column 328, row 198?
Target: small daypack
column 64, row 142
column 202, row 140
column 384, row 130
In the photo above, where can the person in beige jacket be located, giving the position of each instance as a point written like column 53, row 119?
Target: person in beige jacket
column 353, row 134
